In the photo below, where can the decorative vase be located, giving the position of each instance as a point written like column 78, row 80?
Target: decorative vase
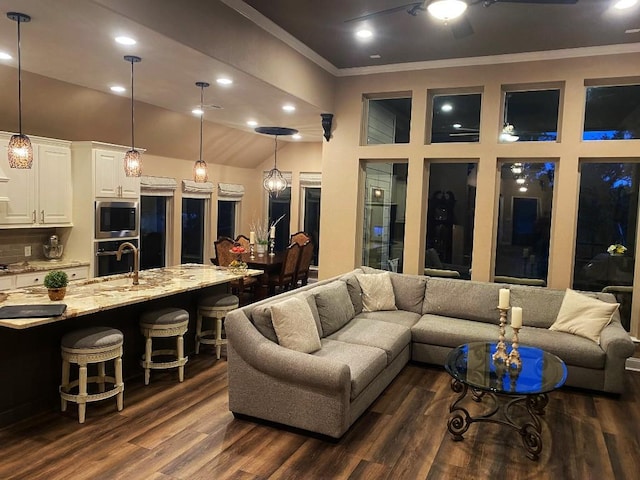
column 261, row 249
column 57, row 293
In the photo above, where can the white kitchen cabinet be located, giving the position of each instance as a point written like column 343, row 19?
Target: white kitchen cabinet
column 41, row 195
column 7, row 282
column 34, row 279
column 110, row 179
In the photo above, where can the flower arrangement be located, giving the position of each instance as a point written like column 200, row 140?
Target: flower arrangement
column 616, row 249
column 237, row 266
column 262, row 230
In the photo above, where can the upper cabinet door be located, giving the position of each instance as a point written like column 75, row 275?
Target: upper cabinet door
column 129, row 186
column 54, row 184
column 20, row 209
column 108, row 164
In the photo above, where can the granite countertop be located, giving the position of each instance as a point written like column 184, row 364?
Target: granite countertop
column 103, row 293
column 41, row 266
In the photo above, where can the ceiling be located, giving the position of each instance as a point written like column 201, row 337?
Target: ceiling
column 72, row 41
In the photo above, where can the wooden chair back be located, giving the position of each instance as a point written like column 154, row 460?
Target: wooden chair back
column 223, row 251
column 306, row 256
column 300, row 238
column 243, row 242
column 287, row 275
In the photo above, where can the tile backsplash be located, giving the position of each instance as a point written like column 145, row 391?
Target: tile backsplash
column 12, row 243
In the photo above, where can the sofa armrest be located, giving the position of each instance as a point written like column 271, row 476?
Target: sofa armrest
column 615, row 340
column 283, row 363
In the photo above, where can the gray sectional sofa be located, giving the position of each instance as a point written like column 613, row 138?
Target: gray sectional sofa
column 362, row 352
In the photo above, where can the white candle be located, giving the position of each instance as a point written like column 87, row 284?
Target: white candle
column 272, row 232
column 504, row 298
column 516, row 317
column 252, row 238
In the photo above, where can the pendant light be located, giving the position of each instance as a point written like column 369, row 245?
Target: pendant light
column 20, row 151
column 200, row 174
column 132, row 160
column 274, row 182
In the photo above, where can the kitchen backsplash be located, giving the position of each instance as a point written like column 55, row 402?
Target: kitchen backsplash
column 12, row 243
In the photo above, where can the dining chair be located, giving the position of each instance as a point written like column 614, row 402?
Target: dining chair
column 306, row 256
column 224, row 257
column 300, row 238
column 243, row 242
column 286, row 278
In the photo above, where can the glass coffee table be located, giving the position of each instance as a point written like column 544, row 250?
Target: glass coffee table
column 514, row 397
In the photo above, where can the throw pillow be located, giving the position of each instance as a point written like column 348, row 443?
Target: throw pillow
column 583, row 315
column 334, row 306
column 294, row 325
column 377, row 292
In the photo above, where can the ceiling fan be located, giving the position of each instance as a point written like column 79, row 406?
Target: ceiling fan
column 460, row 25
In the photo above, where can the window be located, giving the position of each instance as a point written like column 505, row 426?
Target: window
column 607, row 215
column 312, row 218
column 388, row 120
column 385, row 199
column 450, row 217
column 533, row 116
column 611, row 113
column 153, row 231
column 281, row 207
column 226, row 219
column 456, row 118
column 193, row 230
column 524, row 220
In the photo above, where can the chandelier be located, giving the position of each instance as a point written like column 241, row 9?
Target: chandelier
column 274, row 182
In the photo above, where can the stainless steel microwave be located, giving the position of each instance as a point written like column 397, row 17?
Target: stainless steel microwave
column 116, row 219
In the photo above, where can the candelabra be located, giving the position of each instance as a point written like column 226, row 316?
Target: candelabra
column 501, row 349
column 272, row 247
column 514, row 359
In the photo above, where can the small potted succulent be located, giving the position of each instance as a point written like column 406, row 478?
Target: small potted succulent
column 56, row 283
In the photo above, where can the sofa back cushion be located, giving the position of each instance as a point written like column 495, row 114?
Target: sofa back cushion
column 540, row 306
column 334, row 306
column 409, row 291
column 462, row 299
column 353, row 287
column 261, row 315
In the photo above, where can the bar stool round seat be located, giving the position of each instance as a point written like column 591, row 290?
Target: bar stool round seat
column 215, row 307
column 87, row 346
column 164, row 322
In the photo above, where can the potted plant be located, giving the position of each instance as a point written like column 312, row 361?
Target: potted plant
column 56, row 283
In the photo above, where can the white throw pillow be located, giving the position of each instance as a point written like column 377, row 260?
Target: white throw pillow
column 377, row 292
column 583, row 315
column 294, row 325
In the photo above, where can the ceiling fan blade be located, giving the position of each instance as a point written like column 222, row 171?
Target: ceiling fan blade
column 409, row 7
column 461, row 28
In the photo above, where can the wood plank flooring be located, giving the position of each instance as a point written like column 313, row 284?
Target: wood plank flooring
column 170, row 431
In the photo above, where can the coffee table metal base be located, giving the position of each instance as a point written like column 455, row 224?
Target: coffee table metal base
column 501, row 411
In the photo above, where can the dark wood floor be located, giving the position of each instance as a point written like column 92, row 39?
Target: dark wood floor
column 170, row 430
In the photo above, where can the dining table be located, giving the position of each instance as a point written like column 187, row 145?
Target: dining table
column 269, row 264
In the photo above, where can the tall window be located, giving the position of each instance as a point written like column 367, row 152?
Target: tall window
column 385, row 199
column 388, row 120
column 277, row 208
column 450, row 217
column 227, row 218
column 533, row 116
column 455, row 118
column 524, row 221
column 193, row 230
column 312, row 218
column 611, row 113
column 607, row 216
column 153, row 231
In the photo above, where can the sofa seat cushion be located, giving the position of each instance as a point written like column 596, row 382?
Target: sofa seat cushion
column 390, row 337
column 572, row 349
column 452, row 332
column 400, row 317
column 365, row 362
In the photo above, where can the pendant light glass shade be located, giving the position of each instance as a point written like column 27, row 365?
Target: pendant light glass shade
column 274, row 182
column 132, row 159
column 200, row 170
column 20, row 151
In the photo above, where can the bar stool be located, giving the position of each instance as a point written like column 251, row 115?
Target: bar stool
column 91, row 345
column 215, row 307
column 164, row 322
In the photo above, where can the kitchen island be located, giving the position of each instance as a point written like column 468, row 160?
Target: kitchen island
column 30, row 347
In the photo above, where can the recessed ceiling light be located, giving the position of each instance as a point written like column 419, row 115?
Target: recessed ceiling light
column 5, row 56
column 375, row 56
column 520, row 181
column 296, row 136
column 622, row 4
column 252, row 123
column 457, row 125
column 447, row 107
column 288, row 108
column 523, row 189
column 122, row 40
column 197, row 111
column 447, row 9
column 632, row 30
column 224, row 81
column 118, row 89
column 364, row 34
